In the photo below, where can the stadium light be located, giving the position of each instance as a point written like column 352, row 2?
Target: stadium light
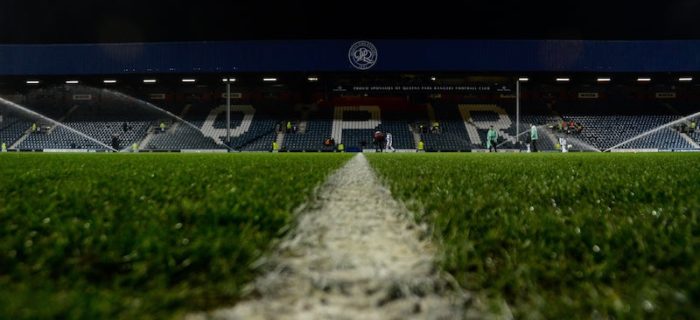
column 269, row 79
column 33, row 82
column 228, row 79
column 188, row 80
column 643, row 79
column 685, row 79
column 523, row 79
column 563, row 79
column 149, row 81
column 72, row 82
column 433, row 78
column 313, row 79
column 604, row 79
column 109, row 81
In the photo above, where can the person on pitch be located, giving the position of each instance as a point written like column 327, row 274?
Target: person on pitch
column 379, row 140
column 562, row 144
column 390, row 142
column 533, row 138
column 491, row 139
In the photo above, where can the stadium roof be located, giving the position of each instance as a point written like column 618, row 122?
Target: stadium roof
column 338, row 55
column 90, row 21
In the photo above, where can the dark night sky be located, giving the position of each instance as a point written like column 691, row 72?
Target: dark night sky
column 56, row 21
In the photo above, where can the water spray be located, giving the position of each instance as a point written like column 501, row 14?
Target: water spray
column 154, row 107
column 54, row 122
column 657, row 129
column 576, row 141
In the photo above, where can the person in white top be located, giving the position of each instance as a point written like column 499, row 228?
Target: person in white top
column 562, row 143
column 389, row 142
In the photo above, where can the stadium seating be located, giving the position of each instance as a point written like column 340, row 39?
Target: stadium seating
column 12, row 128
column 399, row 125
column 318, row 127
column 463, row 125
column 606, row 131
column 452, row 135
column 252, row 129
column 695, row 136
column 354, row 126
column 180, row 136
column 100, row 122
column 59, row 138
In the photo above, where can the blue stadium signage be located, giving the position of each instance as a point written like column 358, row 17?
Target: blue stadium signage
column 348, row 56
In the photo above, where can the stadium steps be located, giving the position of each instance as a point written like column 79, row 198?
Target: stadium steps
column 280, row 138
column 263, row 135
column 551, row 136
column 175, row 123
column 304, row 122
column 21, row 139
column 690, row 140
column 695, row 136
column 416, row 135
column 143, row 144
column 301, row 128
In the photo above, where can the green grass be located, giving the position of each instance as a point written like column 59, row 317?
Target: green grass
column 562, row 236
column 141, row 236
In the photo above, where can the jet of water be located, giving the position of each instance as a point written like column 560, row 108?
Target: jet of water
column 54, row 122
column 580, row 143
column 137, row 101
column 657, row 129
column 575, row 140
column 516, row 136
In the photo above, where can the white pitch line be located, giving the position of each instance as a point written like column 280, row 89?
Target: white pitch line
column 355, row 254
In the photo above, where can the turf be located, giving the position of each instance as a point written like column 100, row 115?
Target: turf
column 141, row 236
column 561, row 236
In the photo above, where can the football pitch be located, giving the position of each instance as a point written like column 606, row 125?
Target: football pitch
column 159, row 235
column 141, row 236
column 563, row 236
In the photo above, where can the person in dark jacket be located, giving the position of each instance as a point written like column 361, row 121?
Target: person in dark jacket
column 115, row 142
column 379, row 140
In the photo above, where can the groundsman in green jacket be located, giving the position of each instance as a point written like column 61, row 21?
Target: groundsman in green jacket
column 491, row 138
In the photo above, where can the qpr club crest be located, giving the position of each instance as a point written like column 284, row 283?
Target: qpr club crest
column 363, row 55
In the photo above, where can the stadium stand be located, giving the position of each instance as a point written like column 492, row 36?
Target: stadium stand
column 12, row 129
column 252, row 129
column 695, row 136
column 318, row 127
column 190, row 135
column 179, row 136
column 352, row 125
column 102, row 122
column 463, row 124
column 453, row 134
column 261, row 131
column 399, row 125
column 58, row 138
column 609, row 124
